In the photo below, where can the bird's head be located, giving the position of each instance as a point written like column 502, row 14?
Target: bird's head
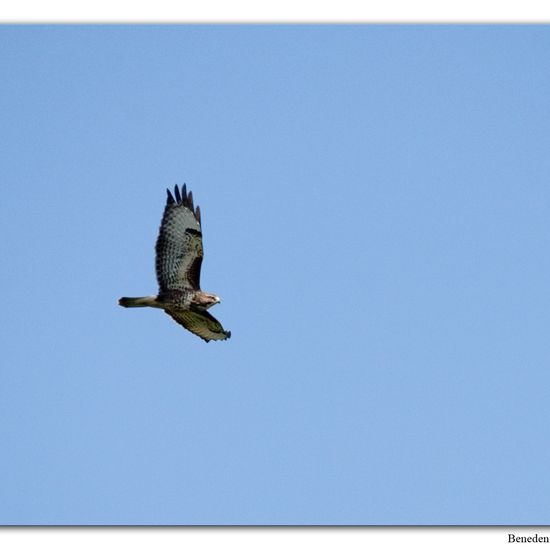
column 206, row 300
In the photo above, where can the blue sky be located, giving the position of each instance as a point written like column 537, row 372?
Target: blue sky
column 375, row 206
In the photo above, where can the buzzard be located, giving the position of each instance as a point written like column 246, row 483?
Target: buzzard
column 178, row 266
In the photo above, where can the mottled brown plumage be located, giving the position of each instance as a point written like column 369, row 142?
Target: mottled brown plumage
column 178, row 263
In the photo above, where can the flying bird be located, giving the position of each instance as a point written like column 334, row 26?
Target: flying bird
column 178, row 266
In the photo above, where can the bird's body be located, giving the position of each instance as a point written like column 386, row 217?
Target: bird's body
column 179, row 255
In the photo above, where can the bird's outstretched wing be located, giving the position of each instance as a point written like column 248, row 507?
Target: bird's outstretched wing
column 200, row 323
column 179, row 244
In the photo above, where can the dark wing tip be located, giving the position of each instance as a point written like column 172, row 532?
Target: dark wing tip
column 226, row 333
column 185, row 199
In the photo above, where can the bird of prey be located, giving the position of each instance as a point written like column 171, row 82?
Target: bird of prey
column 178, row 267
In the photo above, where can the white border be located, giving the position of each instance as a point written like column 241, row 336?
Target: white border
column 275, row 11
column 264, row 538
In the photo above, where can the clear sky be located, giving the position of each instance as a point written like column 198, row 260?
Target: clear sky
column 376, row 218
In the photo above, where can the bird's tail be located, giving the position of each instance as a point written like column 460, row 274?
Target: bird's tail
column 144, row 301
